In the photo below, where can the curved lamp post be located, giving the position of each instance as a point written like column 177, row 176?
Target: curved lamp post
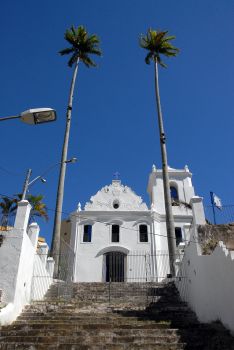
column 41, row 177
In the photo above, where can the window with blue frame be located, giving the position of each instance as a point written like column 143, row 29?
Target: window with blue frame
column 87, row 236
column 174, row 193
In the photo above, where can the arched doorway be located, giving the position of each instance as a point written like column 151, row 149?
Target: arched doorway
column 115, row 266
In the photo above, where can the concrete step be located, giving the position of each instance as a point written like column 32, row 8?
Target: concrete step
column 87, row 321
column 84, row 290
column 75, row 346
column 97, row 307
column 95, row 324
column 65, row 331
column 88, row 339
column 117, row 314
column 154, row 327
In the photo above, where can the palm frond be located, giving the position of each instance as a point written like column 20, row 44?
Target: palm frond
column 73, row 59
column 66, row 51
column 87, row 61
column 95, row 51
column 38, row 207
column 169, row 38
column 82, row 45
column 157, row 43
column 7, row 205
column 162, row 64
column 148, row 57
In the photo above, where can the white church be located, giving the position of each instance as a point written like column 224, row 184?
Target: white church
column 118, row 238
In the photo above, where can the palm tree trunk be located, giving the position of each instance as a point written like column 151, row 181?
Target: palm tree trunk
column 166, row 186
column 55, row 247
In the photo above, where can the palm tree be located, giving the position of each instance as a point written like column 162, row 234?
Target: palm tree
column 7, row 206
column 39, row 208
column 81, row 47
column 157, row 43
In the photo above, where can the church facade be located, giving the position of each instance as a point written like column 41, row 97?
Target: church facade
column 116, row 237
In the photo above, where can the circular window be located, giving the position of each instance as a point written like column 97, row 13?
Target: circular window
column 116, row 204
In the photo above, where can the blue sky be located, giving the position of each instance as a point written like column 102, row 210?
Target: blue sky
column 114, row 125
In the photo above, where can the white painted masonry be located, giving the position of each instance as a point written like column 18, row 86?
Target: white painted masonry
column 19, row 263
column 117, row 204
column 207, row 283
column 181, row 180
column 100, row 213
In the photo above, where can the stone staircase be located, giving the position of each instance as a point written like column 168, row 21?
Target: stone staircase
column 99, row 316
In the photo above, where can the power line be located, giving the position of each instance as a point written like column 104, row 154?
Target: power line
column 123, row 227
column 127, row 228
column 10, row 172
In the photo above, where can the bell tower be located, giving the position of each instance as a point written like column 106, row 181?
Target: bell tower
column 181, row 189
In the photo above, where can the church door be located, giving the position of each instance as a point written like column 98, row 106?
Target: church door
column 115, row 267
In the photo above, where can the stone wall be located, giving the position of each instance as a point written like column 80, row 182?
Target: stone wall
column 210, row 235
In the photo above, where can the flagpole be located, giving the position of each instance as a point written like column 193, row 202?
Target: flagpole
column 212, row 202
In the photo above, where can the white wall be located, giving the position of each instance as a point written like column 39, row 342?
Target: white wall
column 16, row 270
column 207, row 283
column 90, row 259
column 9, row 259
column 42, row 277
column 17, row 256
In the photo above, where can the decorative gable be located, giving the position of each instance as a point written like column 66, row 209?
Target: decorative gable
column 116, row 197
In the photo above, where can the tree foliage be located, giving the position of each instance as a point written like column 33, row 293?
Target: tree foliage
column 157, row 43
column 39, row 208
column 82, row 46
column 8, row 207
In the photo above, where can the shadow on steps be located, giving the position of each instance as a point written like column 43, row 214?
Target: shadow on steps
column 168, row 309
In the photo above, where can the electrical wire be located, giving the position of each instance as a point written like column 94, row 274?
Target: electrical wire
column 128, row 228
column 123, row 227
column 10, row 172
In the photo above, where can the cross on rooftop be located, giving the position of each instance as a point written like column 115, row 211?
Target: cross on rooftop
column 116, row 175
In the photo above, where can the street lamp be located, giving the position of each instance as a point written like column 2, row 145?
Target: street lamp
column 35, row 116
column 41, row 177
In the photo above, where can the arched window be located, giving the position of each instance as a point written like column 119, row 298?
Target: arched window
column 115, row 233
column 87, row 234
column 174, row 193
column 143, row 231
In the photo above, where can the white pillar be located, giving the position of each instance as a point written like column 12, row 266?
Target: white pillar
column 50, row 266
column 198, row 210
column 187, row 232
column 33, row 232
column 198, row 219
column 43, row 252
column 22, row 215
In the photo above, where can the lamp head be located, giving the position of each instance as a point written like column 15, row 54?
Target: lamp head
column 38, row 116
column 72, row 160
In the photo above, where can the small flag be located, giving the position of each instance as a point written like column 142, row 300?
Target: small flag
column 217, row 201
